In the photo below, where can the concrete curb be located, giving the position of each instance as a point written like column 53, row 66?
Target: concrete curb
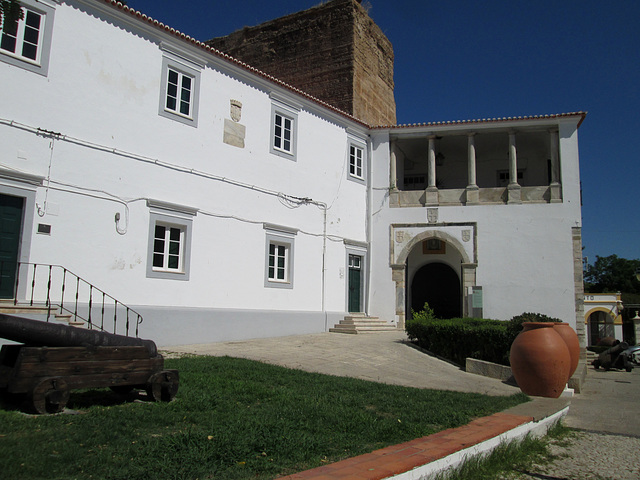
column 534, row 429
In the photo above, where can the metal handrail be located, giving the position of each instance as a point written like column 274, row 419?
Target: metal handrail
column 81, row 306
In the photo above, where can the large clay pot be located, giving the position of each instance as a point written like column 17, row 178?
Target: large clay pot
column 540, row 360
column 570, row 337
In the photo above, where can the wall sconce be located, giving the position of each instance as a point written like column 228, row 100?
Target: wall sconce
column 439, row 159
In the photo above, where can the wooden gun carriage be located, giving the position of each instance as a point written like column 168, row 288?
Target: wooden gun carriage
column 55, row 359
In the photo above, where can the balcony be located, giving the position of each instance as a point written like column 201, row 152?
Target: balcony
column 475, row 168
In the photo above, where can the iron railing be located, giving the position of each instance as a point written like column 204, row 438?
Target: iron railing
column 54, row 286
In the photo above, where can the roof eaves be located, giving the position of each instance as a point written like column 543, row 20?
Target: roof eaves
column 485, row 120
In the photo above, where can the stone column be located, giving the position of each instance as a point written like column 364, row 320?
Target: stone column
column 431, row 193
column 472, row 192
column 393, row 175
column 398, row 275
column 514, row 193
column 579, row 376
column 468, row 281
column 554, row 186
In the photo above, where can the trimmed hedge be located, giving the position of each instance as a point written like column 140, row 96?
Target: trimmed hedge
column 457, row 339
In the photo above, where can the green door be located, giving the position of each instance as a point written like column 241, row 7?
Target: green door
column 355, row 281
column 10, row 225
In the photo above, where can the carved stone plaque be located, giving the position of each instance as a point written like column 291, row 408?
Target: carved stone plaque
column 432, row 215
column 466, row 235
column 236, row 110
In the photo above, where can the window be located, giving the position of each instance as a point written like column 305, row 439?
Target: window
column 168, row 248
column 279, row 257
column 504, row 177
column 179, row 94
column 415, row 182
column 282, row 137
column 355, row 162
column 27, row 45
column 170, row 231
column 284, row 118
column 278, row 262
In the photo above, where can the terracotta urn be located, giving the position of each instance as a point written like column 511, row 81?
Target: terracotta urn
column 570, row 337
column 540, row 360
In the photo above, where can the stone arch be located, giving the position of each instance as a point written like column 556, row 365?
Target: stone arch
column 600, row 323
column 399, row 271
column 404, row 253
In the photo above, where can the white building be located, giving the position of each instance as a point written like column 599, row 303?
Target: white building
column 222, row 204
column 603, row 316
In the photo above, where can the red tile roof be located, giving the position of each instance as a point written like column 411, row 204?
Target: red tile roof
column 145, row 18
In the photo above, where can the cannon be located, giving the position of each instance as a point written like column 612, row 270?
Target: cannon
column 614, row 357
column 54, row 359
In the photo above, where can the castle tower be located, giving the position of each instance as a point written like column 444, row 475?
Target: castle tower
column 334, row 52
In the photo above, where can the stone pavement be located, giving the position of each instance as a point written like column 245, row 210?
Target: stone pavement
column 607, row 411
column 380, row 357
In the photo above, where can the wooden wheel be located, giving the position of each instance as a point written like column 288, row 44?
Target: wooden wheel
column 50, row 396
column 163, row 386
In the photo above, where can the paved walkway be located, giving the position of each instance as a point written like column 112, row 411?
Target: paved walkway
column 608, row 410
column 381, row 357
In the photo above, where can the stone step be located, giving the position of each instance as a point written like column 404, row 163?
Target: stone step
column 360, row 323
column 7, row 306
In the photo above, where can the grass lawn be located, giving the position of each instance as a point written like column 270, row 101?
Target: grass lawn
column 232, row 419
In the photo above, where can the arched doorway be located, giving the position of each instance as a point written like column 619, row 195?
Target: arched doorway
column 600, row 326
column 438, row 285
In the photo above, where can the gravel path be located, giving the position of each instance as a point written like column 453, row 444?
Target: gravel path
column 589, row 456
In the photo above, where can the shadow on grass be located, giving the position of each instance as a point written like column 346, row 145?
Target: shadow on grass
column 79, row 399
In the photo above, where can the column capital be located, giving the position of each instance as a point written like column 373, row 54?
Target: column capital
column 472, row 134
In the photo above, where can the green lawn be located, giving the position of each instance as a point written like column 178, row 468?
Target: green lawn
column 232, row 419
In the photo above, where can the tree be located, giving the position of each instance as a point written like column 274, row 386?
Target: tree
column 612, row 274
column 10, row 14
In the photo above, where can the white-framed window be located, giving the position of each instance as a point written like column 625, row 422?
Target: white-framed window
column 278, row 266
column 179, row 92
column 279, row 257
column 283, row 133
column 179, row 95
column 28, row 45
column 356, row 161
column 170, row 232
column 356, row 156
column 284, row 127
column 168, row 247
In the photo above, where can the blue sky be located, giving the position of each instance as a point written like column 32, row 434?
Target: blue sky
column 457, row 60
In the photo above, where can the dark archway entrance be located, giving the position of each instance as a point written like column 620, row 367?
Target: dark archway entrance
column 438, row 285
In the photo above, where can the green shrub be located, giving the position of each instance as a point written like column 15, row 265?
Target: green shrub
column 514, row 326
column 457, row 339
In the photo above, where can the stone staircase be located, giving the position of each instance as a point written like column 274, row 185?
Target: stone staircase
column 360, row 323
column 7, row 307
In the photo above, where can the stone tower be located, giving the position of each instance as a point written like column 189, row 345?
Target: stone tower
column 334, row 52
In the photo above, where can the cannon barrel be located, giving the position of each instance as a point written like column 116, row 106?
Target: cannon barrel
column 44, row 334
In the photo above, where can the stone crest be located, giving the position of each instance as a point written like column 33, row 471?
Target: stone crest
column 400, row 236
column 432, row 215
column 466, row 235
column 236, row 110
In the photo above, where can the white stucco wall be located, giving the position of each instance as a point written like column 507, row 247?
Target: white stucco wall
column 114, row 152
column 524, row 252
